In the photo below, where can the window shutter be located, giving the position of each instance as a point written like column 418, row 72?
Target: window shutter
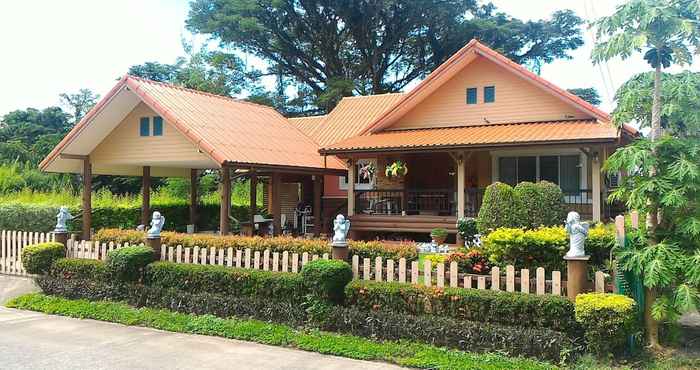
column 157, row 126
column 489, row 94
column 471, row 95
column 144, row 127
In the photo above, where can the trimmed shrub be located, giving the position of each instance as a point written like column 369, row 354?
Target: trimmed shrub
column 369, row 249
column 540, row 343
column 223, row 280
column 542, row 204
column 501, row 207
column 128, row 263
column 484, row 306
column 545, row 247
column 326, row 279
column 37, row 258
column 607, row 320
column 468, row 230
column 471, row 261
column 79, row 268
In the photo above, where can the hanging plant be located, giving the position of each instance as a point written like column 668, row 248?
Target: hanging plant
column 396, row 169
column 367, row 171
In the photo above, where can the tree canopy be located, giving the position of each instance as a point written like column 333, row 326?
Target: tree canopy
column 341, row 48
column 589, row 94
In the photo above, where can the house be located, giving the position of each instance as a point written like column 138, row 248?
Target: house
column 477, row 119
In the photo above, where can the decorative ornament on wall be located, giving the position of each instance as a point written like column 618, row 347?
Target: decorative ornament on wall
column 396, row 169
column 367, row 171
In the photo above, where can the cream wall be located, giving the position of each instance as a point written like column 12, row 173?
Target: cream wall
column 517, row 100
column 125, row 146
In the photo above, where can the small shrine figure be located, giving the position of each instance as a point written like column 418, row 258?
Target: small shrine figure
column 157, row 223
column 62, row 219
column 341, row 227
column 578, row 231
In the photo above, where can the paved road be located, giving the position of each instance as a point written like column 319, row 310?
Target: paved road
column 30, row 340
column 13, row 286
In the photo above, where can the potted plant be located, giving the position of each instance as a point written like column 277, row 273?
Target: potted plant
column 396, row 169
column 467, row 229
column 367, row 171
column 439, row 235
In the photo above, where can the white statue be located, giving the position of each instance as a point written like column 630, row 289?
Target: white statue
column 62, row 218
column 157, row 223
column 341, row 226
column 578, row 231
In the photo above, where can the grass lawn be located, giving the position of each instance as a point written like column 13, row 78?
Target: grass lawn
column 403, row 353
column 668, row 361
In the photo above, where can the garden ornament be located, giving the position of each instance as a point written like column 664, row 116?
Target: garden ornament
column 62, row 218
column 157, row 223
column 341, row 227
column 578, row 231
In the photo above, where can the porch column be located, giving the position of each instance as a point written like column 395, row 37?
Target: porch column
column 225, row 206
column 351, row 187
column 146, row 195
column 317, row 204
column 87, row 198
column 253, row 199
column 595, row 188
column 461, row 177
column 194, row 182
column 276, row 204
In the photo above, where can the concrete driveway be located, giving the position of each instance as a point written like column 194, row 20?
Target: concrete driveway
column 30, row 340
column 13, row 286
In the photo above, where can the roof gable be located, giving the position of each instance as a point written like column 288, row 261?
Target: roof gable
column 454, row 65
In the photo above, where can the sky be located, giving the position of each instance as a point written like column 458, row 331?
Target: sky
column 50, row 47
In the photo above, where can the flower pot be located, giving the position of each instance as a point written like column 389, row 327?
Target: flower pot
column 438, row 239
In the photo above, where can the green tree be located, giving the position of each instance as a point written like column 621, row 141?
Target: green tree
column 589, row 94
column 667, row 32
column 79, row 103
column 342, row 48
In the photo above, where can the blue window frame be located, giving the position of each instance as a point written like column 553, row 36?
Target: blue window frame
column 144, row 128
column 471, row 95
column 489, row 94
column 157, row 126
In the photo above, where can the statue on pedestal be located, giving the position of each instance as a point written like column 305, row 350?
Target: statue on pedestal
column 341, row 227
column 157, row 223
column 62, row 218
column 578, row 231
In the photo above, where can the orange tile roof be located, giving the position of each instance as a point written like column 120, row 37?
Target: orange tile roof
column 230, row 131
column 579, row 131
column 352, row 115
column 456, row 63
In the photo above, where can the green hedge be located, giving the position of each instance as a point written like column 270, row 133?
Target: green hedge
column 128, row 263
column 37, row 258
column 608, row 320
column 42, row 218
column 499, row 208
column 326, row 279
column 484, row 306
column 78, row 268
column 545, row 247
column 223, row 280
column 364, row 249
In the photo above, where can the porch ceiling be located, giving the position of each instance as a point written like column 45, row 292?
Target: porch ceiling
column 492, row 135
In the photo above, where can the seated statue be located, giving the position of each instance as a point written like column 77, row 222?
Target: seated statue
column 578, row 231
column 341, row 227
column 157, row 223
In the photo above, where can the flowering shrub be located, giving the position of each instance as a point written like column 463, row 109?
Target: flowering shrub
column 364, row 249
column 471, row 261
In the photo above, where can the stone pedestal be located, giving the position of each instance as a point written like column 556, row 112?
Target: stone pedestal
column 61, row 237
column 339, row 251
column 155, row 244
column 576, row 276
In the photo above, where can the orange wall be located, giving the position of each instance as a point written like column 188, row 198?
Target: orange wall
column 517, row 100
column 331, row 187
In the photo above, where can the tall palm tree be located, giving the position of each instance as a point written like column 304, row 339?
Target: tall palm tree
column 667, row 32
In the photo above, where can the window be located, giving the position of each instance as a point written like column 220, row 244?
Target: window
column 489, row 94
column 564, row 170
column 361, row 182
column 144, row 128
column 157, row 126
column 471, row 95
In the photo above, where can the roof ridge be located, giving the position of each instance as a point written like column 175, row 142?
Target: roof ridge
column 199, row 92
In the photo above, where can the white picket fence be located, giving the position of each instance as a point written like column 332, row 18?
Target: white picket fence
column 378, row 269
column 12, row 242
